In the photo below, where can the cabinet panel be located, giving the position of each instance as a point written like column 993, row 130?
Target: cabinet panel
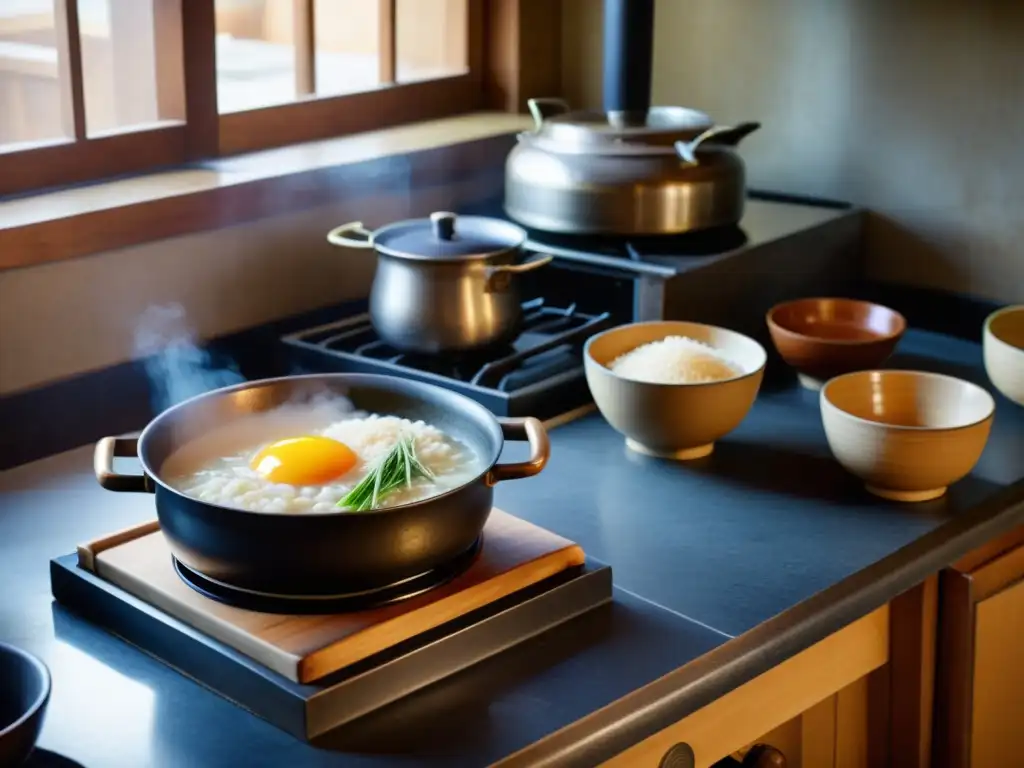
column 773, row 698
column 979, row 690
column 852, row 726
column 914, row 632
column 998, row 679
column 818, row 738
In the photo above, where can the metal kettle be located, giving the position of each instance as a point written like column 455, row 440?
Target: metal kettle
column 671, row 171
column 631, row 169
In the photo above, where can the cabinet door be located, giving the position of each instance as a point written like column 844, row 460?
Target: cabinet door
column 979, row 706
column 836, row 664
column 998, row 694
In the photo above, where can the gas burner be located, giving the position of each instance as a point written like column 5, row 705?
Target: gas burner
column 539, row 374
column 265, row 602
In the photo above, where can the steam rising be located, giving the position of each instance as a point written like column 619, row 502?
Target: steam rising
column 177, row 368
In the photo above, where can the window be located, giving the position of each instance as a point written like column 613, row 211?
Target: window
column 97, row 88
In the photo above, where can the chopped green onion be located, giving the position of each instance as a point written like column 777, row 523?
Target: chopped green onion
column 398, row 468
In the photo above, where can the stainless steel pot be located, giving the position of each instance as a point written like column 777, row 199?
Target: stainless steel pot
column 666, row 170
column 323, row 553
column 444, row 284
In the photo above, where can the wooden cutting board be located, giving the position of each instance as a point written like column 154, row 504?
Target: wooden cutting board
column 304, row 648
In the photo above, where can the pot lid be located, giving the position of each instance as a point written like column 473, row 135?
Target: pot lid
column 659, row 127
column 446, row 236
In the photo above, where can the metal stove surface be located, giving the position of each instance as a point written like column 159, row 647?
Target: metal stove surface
column 540, row 374
column 667, row 256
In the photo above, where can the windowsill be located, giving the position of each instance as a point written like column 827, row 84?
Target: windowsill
column 77, row 221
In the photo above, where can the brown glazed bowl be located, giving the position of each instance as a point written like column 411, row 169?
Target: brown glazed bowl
column 1003, row 346
column 676, row 421
column 824, row 337
column 907, row 434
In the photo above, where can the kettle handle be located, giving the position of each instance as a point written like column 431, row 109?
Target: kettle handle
column 545, row 108
column 723, row 135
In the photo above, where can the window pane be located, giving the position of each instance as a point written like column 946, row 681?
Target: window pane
column 263, row 55
column 30, row 84
column 347, row 45
column 132, row 73
column 255, row 53
column 431, row 39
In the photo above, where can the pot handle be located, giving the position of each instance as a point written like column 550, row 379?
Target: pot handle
column 542, row 109
column 526, row 266
column 540, row 450
column 103, row 466
column 497, row 277
column 722, row 135
column 343, row 236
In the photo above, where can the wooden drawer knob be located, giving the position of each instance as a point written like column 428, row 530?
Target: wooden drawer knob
column 764, row 756
column 678, row 756
column 759, row 756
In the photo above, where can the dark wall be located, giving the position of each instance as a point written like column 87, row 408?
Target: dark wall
column 912, row 108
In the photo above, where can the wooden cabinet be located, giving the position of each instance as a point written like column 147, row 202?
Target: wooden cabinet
column 816, row 703
column 840, row 732
column 979, row 696
column 934, row 678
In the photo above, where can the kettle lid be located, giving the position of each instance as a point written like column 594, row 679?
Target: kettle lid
column 614, row 132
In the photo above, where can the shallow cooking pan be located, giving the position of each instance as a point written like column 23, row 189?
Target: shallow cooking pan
column 334, row 552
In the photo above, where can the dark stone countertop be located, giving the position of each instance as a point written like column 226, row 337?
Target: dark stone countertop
column 767, row 520
column 768, row 540
column 113, row 705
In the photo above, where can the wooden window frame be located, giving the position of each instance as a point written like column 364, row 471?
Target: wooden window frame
column 495, row 66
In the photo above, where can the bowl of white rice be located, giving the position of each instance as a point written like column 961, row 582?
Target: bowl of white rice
column 673, row 388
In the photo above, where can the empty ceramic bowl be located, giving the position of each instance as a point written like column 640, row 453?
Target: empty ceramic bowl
column 907, row 434
column 824, row 337
column 673, row 420
column 24, row 694
column 1003, row 345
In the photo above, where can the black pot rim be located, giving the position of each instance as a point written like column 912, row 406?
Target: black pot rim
column 366, row 378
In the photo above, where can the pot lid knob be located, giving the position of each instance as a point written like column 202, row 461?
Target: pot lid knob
column 443, row 224
column 436, row 237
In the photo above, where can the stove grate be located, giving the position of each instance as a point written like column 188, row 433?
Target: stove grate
column 540, row 373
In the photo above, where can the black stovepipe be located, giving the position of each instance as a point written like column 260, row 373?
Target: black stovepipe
column 628, row 56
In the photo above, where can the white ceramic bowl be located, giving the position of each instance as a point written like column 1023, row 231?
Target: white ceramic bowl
column 907, row 434
column 674, row 421
column 1003, row 345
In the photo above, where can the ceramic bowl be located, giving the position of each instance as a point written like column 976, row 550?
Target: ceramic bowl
column 824, row 337
column 678, row 421
column 1003, row 345
column 907, row 434
column 24, row 694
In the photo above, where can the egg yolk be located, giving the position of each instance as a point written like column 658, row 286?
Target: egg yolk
column 304, row 460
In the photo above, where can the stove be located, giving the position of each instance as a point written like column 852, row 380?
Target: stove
column 324, row 661
column 783, row 247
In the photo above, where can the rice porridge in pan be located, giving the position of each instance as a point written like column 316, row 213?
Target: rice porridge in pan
column 315, row 459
